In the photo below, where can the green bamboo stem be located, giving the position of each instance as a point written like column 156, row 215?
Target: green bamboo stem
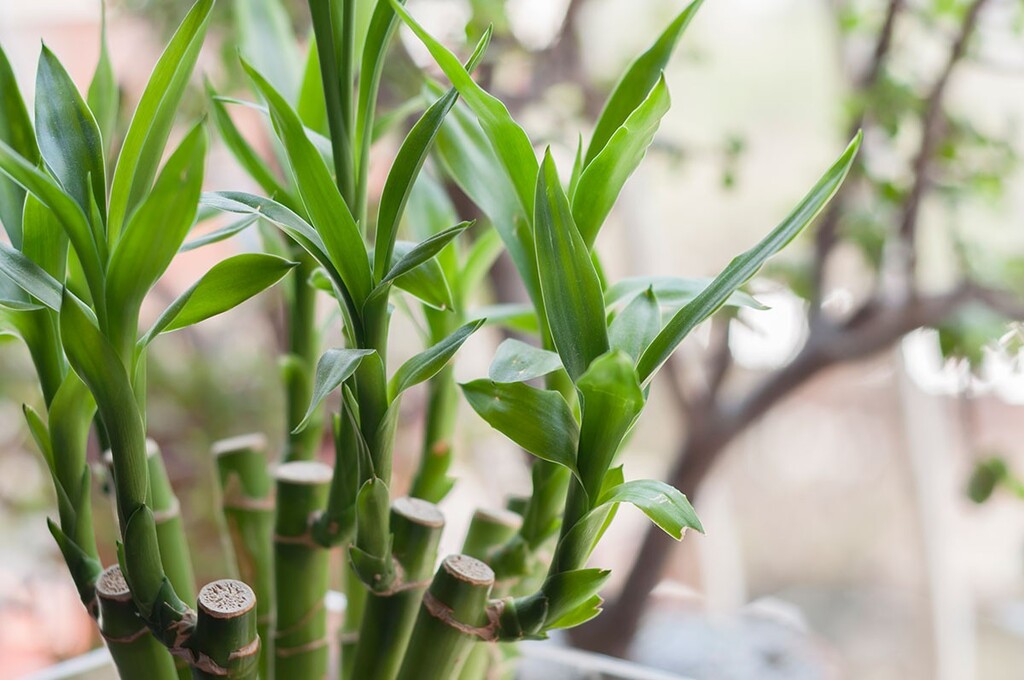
column 488, row 530
column 356, row 595
column 247, row 501
column 432, row 482
column 388, row 618
column 170, row 530
column 301, row 570
column 300, row 363
column 451, row 619
column 225, row 632
column 136, row 653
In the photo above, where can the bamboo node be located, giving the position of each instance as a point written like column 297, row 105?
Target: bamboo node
column 443, row 613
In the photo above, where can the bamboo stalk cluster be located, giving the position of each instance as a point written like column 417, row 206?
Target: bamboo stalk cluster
column 84, row 252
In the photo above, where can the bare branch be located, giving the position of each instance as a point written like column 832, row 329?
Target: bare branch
column 826, row 237
column 931, row 135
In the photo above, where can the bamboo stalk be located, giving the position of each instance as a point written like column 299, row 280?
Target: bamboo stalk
column 170, row 530
column 136, row 653
column 300, row 363
column 452, row 617
column 389, row 617
column 301, row 572
column 488, row 530
column 247, row 500
column 226, row 632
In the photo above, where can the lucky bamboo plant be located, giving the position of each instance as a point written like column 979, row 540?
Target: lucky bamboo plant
column 84, row 252
column 600, row 347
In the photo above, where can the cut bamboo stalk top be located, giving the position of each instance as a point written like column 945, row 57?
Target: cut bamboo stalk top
column 418, row 511
column 505, row 518
column 307, row 472
column 112, row 585
column 226, row 598
column 253, row 441
column 468, row 570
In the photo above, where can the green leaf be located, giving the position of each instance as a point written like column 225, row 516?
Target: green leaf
column 610, row 402
column 583, row 612
column 427, row 363
column 16, row 132
column 221, row 234
column 406, row 168
column 310, row 106
column 147, row 134
column 671, row 291
column 568, row 590
column 573, row 300
column 636, row 326
column 600, row 184
column 421, row 252
column 516, row 361
column 426, row 282
column 378, row 40
column 279, row 215
column 30, row 277
column 155, row 232
column 68, row 136
column 334, row 367
column 520, row 317
column 745, row 266
column 71, row 217
column 638, row 80
column 508, row 139
column 538, row 420
column 45, row 242
column 324, row 205
column 665, row 505
column 266, row 41
column 228, row 284
column 103, row 97
column 37, row 428
column 241, row 149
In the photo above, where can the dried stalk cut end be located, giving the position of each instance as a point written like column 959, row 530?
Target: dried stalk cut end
column 305, row 472
column 418, row 511
column 226, row 598
column 254, row 441
column 112, row 585
column 226, row 644
column 468, row 570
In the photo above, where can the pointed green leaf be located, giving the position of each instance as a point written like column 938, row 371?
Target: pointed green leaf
column 516, row 361
column 637, row 82
column 424, row 251
column 266, row 41
column 68, row 136
column 155, row 232
column 573, row 300
column 45, row 242
column 427, row 282
column 103, row 97
column 15, row 131
column 335, row 367
column 71, row 217
column 600, row 184
column 406, row 167
column 482, row 255
column 671, row 291
column 508, row 139
column 326, row 209
column 241, row 149
column 378, row 40
column 745, row 266
column 610, row 402
column 30, row 277
column 218, row 235
column 538, row 420
column 636, row 326
column 664, row 504
column 568, row 590
column 311, row 107
column 228, row 284
column 147, row 134
column 427, row 363
column 519, row 317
